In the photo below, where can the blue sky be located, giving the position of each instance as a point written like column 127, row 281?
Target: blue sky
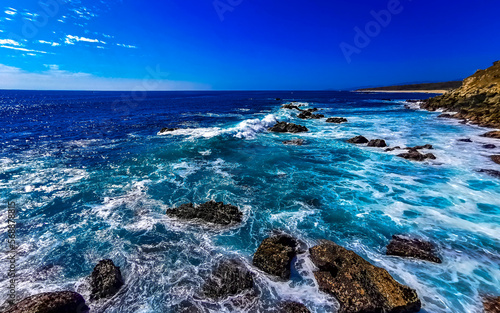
column 242, row 44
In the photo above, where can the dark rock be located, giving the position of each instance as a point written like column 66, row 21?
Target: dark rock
column 51, row 302
column 274, row 255
column 380, row 143
column 278, row 99
column 392, row 149
column 465, row 140
column 311, row 110
column 493, row 173
column 308, row 115
column 493, row 134
column 412, row 248
column 295, row 142
column 291, row 107
column 210, row 212
column 292, row 307
column 187, row 307
column 166, row 130
column 230, row 278
column 491, row 305
column 106, row 280
column 445, row 115
column 496, row 159
column 417, row 156
column 427, row 146
column 386, row 99
column 336, row 120
column 284, row 127
column 358, row 140
column 413, row 101
column 359, row 286
column 489, row 146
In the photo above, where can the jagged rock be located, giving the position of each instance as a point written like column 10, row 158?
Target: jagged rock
column 493, row 134
column 292, row 307
column 336, row 120
column 51, row 302
column 489, row 146
column 427, row 146
column 465, row 140
column 186, row 307
column 412, row 248
column 308, row 115
column 166, row 130
column 284, row 127
column 105, row 280
column 417, row 156
column 496, row 158
column 291, row 107
column 210, row 212
column 359, row 286
column 380, row 143
column 358, row 140
column 491, row 305
column 229, row 278
column 493, row 173
column 295, row 142
column 477, row 100
column 393, row 148
column 274, row 255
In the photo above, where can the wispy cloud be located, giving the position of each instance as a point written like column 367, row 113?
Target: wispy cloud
column 55, row 78
column 53, row 44
column 70, row 40
column 23, row 49
column 126, row 46
column 9, row 42
column 11, row 11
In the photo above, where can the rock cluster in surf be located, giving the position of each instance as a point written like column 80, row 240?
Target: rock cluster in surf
column 210, row 212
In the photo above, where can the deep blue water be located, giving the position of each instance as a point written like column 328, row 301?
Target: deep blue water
column 92, row 179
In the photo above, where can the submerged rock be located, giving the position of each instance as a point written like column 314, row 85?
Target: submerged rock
column 274, row 255
column 427, row 146
column 417, row 156
column 465, row 140
column 445, row 115
column 229, row 278
column 295, row 142
column 491, row 305
column 380, row 143
column 284, row 127
column 51, row 302
column 358, row 140
column 210, row 212
column 393, row 148
column 336, row 120
column 493, row 173
column 359, row 286
column 493, row 134
column 496, row 158
column 292, row 307
column 308, row 115
column 412, row 248
column 106, row 280
column 166, row 130
column 489, row 146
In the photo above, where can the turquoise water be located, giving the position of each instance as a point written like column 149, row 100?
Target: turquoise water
column 92, row 179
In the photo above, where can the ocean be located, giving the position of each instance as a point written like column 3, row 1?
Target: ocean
column 92, row 178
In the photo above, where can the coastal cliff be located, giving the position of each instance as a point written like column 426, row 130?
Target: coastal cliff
column 477, row 100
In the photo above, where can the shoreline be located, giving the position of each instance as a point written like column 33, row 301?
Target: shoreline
column 403, row 91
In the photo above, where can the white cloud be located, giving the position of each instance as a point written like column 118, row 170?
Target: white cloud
column 70, row 40
column 10, row 12
column 9, row 42
column 53, row 44
column 23, row 49
column 56, row 79
column 126, row 46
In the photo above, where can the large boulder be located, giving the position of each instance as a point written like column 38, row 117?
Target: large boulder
column 493, row 134
column 284, row 127
column 105, row 280
column 412, row 248
column 491, row 305
column 308, row 115
column 358, row 140
column 275, row 254
column 359, row 286
column 414, row 155
column 51, row 302
column 336, row 120
column 210, row 212
column 292, row 307
column 496, row 158
column 229, row 278
column 380, row 143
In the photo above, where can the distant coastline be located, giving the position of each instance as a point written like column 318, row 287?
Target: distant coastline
column 401, row 91
column 439, row 88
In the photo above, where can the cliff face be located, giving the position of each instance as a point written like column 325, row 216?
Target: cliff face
column 478, row 100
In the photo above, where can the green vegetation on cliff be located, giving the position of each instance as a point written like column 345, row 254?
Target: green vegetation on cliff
column 477, row 100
